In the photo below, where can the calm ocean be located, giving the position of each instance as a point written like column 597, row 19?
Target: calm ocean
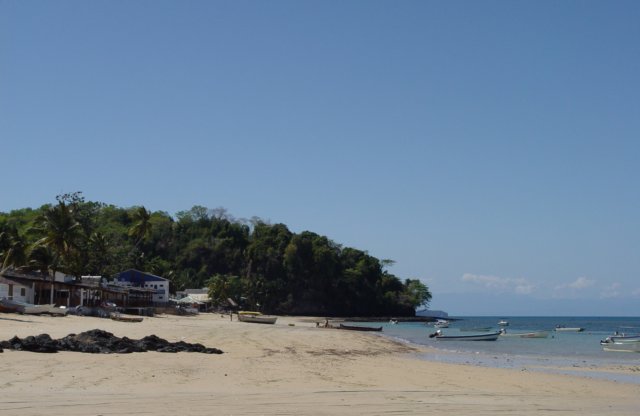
column 576, row 353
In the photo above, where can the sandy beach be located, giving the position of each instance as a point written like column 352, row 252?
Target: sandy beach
column 290, row 368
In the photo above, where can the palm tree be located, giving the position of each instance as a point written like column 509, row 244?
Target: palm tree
column 140, row 229
column 61, row 233
column 99, row 249
column 45, row 260
column 142, row 226
column 15, row 249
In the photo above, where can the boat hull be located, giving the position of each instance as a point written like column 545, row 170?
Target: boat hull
column 257, row 319
column 537, row 334
column 124, row 318
column 360, row 328
column 53, row 310
column 8, row 305
column 619, row 339
column 480, row 337
column 622, row 347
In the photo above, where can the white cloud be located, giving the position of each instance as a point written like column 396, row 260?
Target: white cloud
column 581, row 283
column 611, row 291
column 578, row 284
column 525, row 289
column 573, row 289
column 501, row 284
column 488, row 281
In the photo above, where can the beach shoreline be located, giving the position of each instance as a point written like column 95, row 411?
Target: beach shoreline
column 291, row 367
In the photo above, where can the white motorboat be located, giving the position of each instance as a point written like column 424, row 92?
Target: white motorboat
column 441, row 323
column 503, row 322
column 562, row 328
column 620, row 339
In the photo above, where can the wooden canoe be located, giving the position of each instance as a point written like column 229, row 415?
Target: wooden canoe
column 256, row 318
column 125, row 318
column 360, row 328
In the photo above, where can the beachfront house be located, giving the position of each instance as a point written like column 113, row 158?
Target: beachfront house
column 34, row 287
column 16, row 288
column 159, row 286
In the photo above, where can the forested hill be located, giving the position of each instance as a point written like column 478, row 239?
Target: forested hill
column 260, row 265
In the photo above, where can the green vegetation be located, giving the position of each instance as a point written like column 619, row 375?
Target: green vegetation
column 259, row 265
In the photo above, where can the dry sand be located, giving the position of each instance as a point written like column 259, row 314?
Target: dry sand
column 275, row 369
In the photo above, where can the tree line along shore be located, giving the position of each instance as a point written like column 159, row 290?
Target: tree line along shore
column 259, row 265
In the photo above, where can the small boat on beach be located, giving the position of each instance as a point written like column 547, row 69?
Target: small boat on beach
column 10, row 305
column 53, row 310
column 360, row 328
column 116, row 316
column 562, row 328
column 475, row 337
column 256, row 317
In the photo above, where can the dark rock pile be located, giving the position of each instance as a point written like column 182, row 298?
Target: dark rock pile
column 98, row 341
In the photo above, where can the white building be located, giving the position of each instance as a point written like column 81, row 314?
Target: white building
column 136, row 278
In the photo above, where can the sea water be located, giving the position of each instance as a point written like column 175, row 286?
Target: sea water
column 578, row 353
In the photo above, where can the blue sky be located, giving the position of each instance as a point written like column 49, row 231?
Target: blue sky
column 489, row 148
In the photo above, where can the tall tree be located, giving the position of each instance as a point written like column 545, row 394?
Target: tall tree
column 14, row 249
column 45, row 260
column 62, row 234
column 140, row 230
column 416, row 293
column 142, row 226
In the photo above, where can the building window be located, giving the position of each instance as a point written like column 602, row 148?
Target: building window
column 23, row 292
column 160, row 297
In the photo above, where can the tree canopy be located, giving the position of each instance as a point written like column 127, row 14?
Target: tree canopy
column 257, row 264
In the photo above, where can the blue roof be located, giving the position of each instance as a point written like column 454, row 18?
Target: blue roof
column 136, row 276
